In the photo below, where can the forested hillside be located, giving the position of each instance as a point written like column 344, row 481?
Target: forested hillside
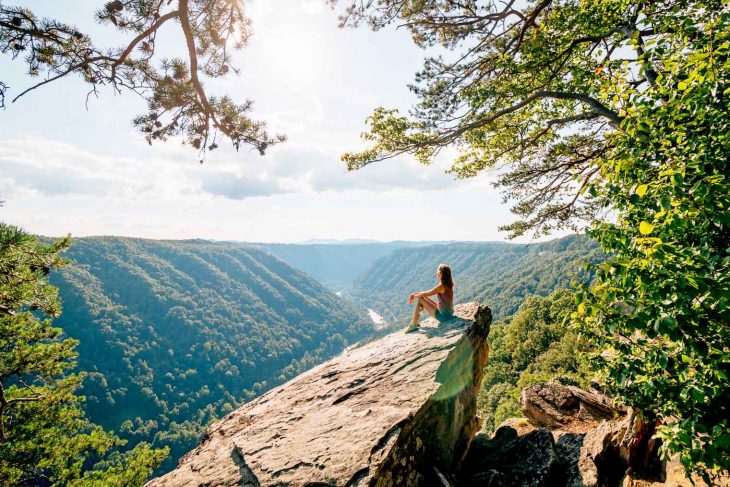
column 534, row 345
column 335, row 265
column 500, row 275
column 176, row 333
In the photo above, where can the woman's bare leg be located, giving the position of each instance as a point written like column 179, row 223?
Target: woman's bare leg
column 416, row 313
column 423, row 303
column 429, row 305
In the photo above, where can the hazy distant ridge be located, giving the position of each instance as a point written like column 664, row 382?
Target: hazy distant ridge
column 335, row 264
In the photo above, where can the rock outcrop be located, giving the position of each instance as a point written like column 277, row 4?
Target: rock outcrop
column 554, row 405
column 511, row 459
column 572, row 438
column 397, row 411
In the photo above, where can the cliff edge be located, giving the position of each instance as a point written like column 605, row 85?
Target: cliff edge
column 397, row 411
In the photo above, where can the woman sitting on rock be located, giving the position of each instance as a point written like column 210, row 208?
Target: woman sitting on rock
column 444, row 309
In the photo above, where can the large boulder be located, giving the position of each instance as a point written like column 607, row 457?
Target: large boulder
column 510, row 459
column 596, row 445
column 621, row 447
column 555, row 405
column 599, row 444
column 397, row 411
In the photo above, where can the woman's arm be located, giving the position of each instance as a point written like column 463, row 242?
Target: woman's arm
column 433, row 291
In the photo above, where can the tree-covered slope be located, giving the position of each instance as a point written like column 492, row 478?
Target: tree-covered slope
column 335, row 265
column 534, row 345
column 500, row 275
column 176, row 333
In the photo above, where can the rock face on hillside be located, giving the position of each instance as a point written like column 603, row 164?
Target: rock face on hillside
column 555, row 405
column 572, row 438
column 397, row 411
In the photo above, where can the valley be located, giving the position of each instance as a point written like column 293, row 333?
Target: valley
column 500, row 274
column 175, row 334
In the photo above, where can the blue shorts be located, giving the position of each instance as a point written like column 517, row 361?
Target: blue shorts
column 441, row 317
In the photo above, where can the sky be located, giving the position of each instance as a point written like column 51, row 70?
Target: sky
column 66, row 167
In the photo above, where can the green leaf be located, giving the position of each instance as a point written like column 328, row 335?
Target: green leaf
column 641, row 189
column 697, row 395
column 646, row 228
column 670, row 322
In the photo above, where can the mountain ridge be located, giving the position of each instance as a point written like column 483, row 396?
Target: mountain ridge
column 174, row 334
column 502, row 274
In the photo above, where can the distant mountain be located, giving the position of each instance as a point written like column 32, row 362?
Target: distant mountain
column 174, row 334
column 350, row 241
column 336, row 265
column 500, row 275
column 329, row 241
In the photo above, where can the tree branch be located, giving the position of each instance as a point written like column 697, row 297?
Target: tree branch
column 144, row 34
column 193, row 55
column 68, row 71
column 598, row 107
column 6, row 310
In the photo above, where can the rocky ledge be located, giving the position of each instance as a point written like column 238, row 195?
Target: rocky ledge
column 574, row 438
column 397, row 411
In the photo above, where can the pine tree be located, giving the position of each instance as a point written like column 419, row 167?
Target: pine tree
column 174, row 88
column 45, row 438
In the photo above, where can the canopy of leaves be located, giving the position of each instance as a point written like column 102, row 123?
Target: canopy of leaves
column 535, row 345
column 45, row 438
column 614, row 113
column 661, row 307
column 173, row 87
column 527, row 89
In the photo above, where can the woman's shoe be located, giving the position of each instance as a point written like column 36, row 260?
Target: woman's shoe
column 413, row 327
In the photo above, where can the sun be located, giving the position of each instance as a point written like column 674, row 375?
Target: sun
column 288, row 38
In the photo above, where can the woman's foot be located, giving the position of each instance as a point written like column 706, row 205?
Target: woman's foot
column 413, row 327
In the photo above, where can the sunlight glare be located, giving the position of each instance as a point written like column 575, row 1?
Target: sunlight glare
column 292, row 51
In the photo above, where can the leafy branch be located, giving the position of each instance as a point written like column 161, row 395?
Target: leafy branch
column 177, row 101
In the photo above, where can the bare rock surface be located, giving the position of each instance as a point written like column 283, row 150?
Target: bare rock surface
column 598, row 443
column 397, row 411
column 572, row 438
column 555, row 405
column 509, row 459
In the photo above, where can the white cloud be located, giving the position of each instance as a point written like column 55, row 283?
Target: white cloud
column 230, row 185
column 292, row 194
column 56, row 169
column 65, row 168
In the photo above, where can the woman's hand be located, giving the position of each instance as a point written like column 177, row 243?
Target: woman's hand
column 411, row 298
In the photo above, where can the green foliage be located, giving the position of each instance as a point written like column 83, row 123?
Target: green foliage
column 613, row 113
column 176, row 334
column 517, row 89
column 497, row 274
column 660, row 307
column 44, row 435
column 173, row 88
column 535, row 345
